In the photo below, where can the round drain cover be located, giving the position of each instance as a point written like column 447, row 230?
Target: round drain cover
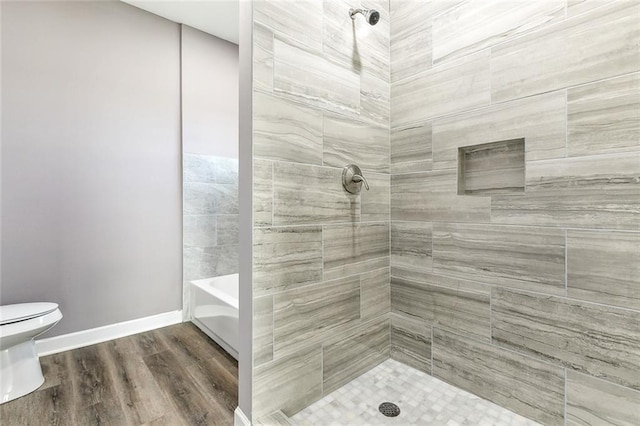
column 389, row 409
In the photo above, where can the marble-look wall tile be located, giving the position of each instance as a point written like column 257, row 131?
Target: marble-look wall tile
column 262, row 330
column 595, row 339
column 591, row 401
column 432, row 197
column 198, row 168
column 310, row 194
column 412, row 145
column 410, row 38
column 302, row 314
column 210, row 262
column 262, row 58
column 286, row 258
column 283, row 130
column 440, row 280
column 209, row 169
column 355, row 248
column 529, row 258
column 375, row 53
column 289, row 384
column 464, row 311
column 298, row 20
column 277, row 418
column 411, row 245
column 604, row 117
column 227, row 226
column 347, row 357
column 341, row 43
column 262, row 192
column 199, row 198
column 347, row 141
column 451, row 87
column 589, row 192
column 225, row 197
column 375, row 203
column 226, row 170
column 524, row 385
column 596, row 45
column 307, row 76
column 540, row 120
column 353, row 43
column 576, row 7
column 472, row 26
column 604, row 267
column 375, row 294
column 411, row 342
column 199, row 231
column 375, row 101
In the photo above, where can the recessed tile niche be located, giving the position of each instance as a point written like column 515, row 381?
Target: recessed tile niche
column 491, row 168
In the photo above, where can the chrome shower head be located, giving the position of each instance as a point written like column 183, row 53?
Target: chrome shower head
column 372, row 16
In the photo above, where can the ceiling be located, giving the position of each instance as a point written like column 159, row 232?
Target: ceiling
column 216, row 17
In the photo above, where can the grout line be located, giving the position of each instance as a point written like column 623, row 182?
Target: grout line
column 566, row 123
column 441, row 222
column 431, row 346
column 566, row 263
column 322, row 369
column 273, row 329
column 564, row 416
column 273, row 192
column 323, row 247
column 491, row 316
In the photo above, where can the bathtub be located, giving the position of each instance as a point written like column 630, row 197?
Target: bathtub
column 214, row 307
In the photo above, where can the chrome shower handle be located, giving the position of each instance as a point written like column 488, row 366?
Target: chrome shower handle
column 360, row 178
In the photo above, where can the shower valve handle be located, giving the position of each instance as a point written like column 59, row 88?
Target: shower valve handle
column 360, row 178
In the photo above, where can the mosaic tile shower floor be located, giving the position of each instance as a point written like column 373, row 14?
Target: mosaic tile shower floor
column 423, row 400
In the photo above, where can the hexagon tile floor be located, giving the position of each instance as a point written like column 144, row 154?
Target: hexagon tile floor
column 423, row 400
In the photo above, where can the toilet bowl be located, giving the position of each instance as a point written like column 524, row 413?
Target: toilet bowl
column 20, row 324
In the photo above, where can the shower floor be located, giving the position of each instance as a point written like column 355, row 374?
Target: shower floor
column 423, row 400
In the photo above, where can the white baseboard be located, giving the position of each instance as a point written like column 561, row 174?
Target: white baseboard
column 65, row 342
column 239, row 419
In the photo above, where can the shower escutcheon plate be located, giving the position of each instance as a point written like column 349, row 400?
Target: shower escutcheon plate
column 352, row 179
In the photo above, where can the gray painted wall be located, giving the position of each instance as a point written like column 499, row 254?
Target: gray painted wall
column 91, row 197
column 209, row 94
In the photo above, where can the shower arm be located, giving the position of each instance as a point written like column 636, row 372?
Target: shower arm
column 353, row 12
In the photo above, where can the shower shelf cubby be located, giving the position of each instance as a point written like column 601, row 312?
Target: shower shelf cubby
column 491, row 168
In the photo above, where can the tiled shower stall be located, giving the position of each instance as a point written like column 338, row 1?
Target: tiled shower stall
column 498, row 248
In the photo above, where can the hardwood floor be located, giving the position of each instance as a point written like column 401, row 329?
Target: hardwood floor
column 170, row 376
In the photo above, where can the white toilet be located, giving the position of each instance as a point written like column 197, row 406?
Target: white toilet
column 20, row 324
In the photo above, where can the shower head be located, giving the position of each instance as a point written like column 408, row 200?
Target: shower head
column 371, row 15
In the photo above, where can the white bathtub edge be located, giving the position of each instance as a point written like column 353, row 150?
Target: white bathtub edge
column 219, row 340
column 204, row 285
column 78, row 339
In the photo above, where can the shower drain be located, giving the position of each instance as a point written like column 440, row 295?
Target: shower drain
column 389, row 409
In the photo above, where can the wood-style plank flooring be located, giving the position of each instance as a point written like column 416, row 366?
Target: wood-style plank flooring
column 170, row 376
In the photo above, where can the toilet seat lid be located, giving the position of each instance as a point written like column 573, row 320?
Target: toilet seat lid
column 25, row 311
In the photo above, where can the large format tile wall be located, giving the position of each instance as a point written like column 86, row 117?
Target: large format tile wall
column 210, row 222
column 321, row 256
column 529, row 299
